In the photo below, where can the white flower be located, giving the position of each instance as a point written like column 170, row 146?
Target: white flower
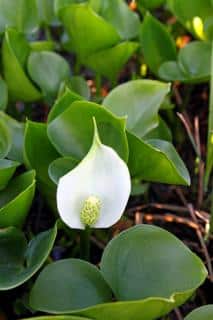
column 96, row 191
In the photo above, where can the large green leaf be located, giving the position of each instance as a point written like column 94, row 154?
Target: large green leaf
column 192, row 13
column 109, row 62
column 16, row 200
column 140, row 101
column 89, row 32
column 3, row 94
column 7, row 169
column 39, row 153
column 15, row 51
column 5, row 140
column 72, row 131
column 157, row 161
column 21, row 14
column 157, row 44
column 117, row 13
column 79, row 285
column 16, row 130
column 202, row 313
column 19, row 260
column 48, row 70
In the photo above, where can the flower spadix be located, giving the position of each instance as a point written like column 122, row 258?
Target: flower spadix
column 96, row 191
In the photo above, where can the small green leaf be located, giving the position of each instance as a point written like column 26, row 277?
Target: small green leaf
column 7, row 169
column 60, row 167
column 38, row 156
column 109, row 62
column 140, row 101
column 19, row 260
column 48, row 70
column 21, row 14
column 42, row 45
column 72, row 131
column 202, row 313
column 157, row 161
column 79, row 85
column 157, row 44
column 16, row 200
column 171, row 71
column 5, row 140
column 79, row 285
column 15, row 51
column 3, row 94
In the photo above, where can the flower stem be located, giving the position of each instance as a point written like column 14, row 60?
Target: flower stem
column 85, row 243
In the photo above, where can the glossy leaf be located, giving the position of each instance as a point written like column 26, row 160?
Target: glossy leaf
column 157, row 161
column 89, row 32
column 79, row 85
column 161, row 132
column 48, row 70
column 38, row 156
column 60, row 167
column 157, row 44
column 202, row 313
column 125, row 21
column 171, row 71
column 109, row 62
column 133, row 261
column 15, row 51
column 21, row 14
column 5, row 140
column 19, row 260
column 140, row 101
column 72, row 131
column 16, row 200
column 79, row 285
column 7, row 169
column 16, row 130
column 3, row 94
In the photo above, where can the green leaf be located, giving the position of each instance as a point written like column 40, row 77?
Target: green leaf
column 202, row 313
column 21, row 14
column 5, row 140
column 151, row 4
column 46, row 11
column 44, row 45
column 133, row 261
column 69, row 276
column 63, row 103
column 171, row 71
column 109, row 62
column 157, row 161
column 16, row 200
column 60, row 167
column 79, row 85
column 19, row 260
column 140, row 101
column 7, row 169
column 192, row 14
column 157, row 44
column 15, row 51
column 125, row 21
column 16, row 131
column 3, row 94
column 58, row 318
column 48, row 70
column 89, row 32
column 161, row 132
column 38, row 156
column 72, row 131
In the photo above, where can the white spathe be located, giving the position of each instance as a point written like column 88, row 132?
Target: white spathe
column 101, row 174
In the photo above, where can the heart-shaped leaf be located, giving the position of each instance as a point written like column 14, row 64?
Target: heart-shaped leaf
column 16, row 200
column 72, row 131
column 19, row 260
column 89, row 32
column 156, row 160
column 109, row 62
column 3, row 94
column 15, row 51
column 48, row 70
column 21, row 14
column 157, row 44
column 140, row 101
column 60, row 167
column 16, row 131
column 202, row 313
column 7, row 169
column 5, row 140
column 79, row 285
column 38, row 156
